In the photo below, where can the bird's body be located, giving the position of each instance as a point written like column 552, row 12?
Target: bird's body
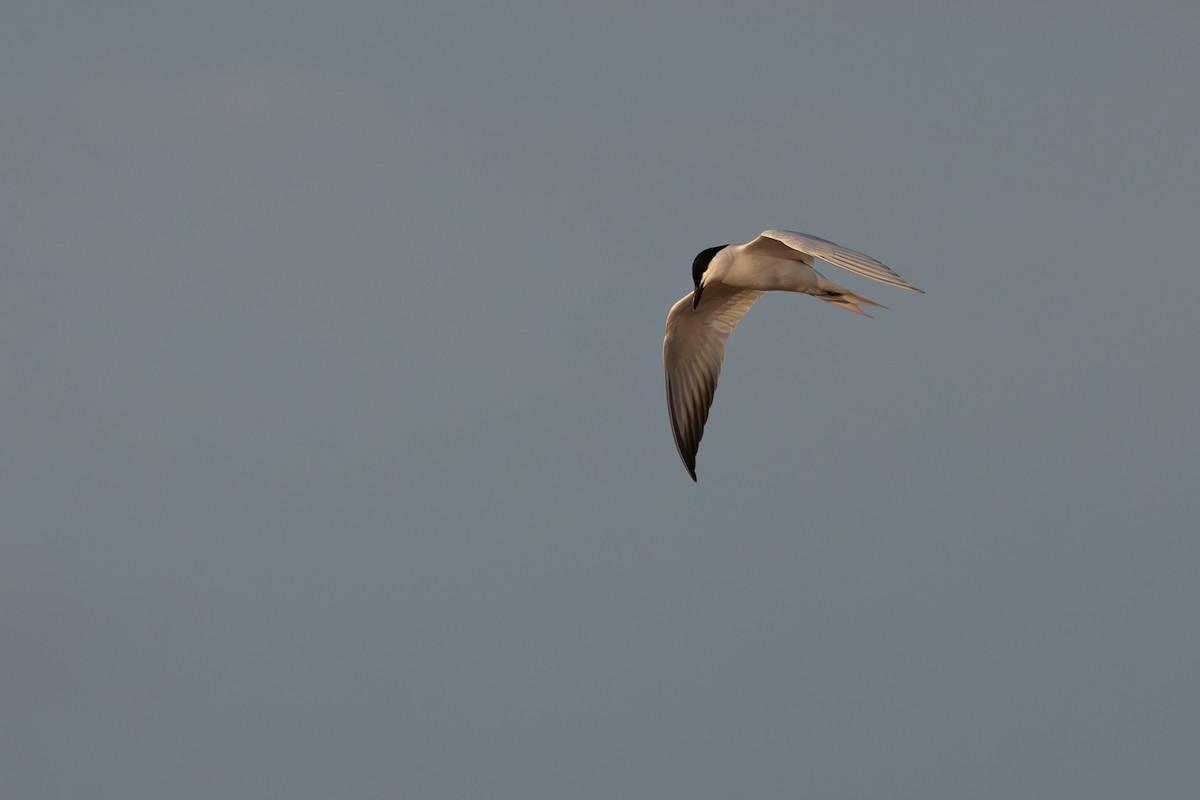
column 728, row 280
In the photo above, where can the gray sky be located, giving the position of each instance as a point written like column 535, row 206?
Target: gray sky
column 335, row 455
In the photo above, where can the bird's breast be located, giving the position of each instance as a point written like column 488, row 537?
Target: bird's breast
column 769, row 274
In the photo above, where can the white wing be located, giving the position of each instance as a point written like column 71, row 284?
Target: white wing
column 692, row 353
column 789, row 244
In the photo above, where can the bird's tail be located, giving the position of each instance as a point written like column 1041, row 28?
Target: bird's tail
column 842, row 297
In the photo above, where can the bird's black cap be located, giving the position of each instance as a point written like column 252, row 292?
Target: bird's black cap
column 699, row 265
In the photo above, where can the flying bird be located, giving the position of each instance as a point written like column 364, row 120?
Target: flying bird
column 728, row 280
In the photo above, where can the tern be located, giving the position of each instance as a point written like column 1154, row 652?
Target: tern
column 729, row 279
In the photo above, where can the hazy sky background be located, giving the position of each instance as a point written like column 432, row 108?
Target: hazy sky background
column 335, row 457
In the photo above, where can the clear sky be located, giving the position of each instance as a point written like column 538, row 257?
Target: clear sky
column 335, row 457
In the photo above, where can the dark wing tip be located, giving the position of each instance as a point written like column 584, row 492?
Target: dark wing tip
column 687, row 451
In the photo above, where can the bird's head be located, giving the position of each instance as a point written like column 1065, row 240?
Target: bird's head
column 699, row 267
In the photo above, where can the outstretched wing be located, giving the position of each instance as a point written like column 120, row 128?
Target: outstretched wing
column 789, row 244
column 693, row 349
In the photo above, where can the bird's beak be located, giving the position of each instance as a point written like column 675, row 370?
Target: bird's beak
column 696, row 296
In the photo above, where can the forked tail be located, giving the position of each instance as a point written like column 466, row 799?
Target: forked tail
column 842, row 297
